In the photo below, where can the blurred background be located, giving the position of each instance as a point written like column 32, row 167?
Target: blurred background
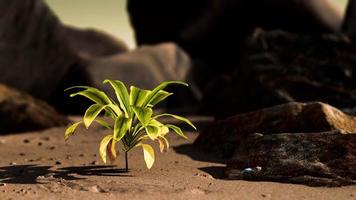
column 108, row 15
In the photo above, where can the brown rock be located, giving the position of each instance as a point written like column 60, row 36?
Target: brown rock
column 21, row 112
column 34, row 52
column 225, row 135
column 280, row 67
column 91, row 44
column 315, row 159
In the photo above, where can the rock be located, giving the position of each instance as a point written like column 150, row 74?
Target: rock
column 91, row 44
column 34, row 52
column 225, row 135
column 21, row 112
column 146, row 67
column 215, row 30
column 278, row 68
column 314, row 159
column 58, row 163
column 350, row 20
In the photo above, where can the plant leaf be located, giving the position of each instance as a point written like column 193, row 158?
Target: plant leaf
column 162, row 129
column 138, row 96
column 122, row 124
column 160, row 96
column 121, row 94
column 148, row 155
column 93, row 94
column 104, row 123
column 143, row 114
column 177, row 130
column 103, row 147
column 165, row 140
column 160, row 87
column 152, row 132
column 71, row 129
column 176, row 117
column 91, row 113
column 111, row 150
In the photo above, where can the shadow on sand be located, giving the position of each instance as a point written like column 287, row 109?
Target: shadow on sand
column 30, row 174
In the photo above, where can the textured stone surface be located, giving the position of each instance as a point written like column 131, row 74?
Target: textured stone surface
column 315, row 159
column 225, row 135
column 21, row 112
column 91, row 44
column 280, row 67
column 34, row 52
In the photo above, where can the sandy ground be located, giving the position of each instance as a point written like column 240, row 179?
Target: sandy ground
column 41, row 165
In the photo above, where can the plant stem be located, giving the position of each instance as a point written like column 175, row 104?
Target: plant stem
column 126, row 162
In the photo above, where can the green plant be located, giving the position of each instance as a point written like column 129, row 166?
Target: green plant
column 133, row 121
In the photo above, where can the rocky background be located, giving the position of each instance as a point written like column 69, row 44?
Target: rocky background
column 282, row 90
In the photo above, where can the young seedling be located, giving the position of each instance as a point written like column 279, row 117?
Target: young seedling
column 133, row 119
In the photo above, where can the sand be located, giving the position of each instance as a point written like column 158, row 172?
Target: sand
column 41, row 165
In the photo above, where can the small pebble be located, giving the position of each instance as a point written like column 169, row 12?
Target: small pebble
column 58, row 163
column 26, row 141
column 46, row 138
column 68, row 157
column 2, row 184
column 51, row 148
column 13, row 163
column 22, row 154
column 39, row 144
column 94, row 155
column 81, row 155
column 265, row 195
column 95, row 162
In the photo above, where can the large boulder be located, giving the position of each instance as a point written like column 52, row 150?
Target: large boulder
column 225, row 136
column 146, row 67
column 92, row 44
column 34, row 53
column 281, row 67
column 314, row 159
column 215, row 30
column 20, row 112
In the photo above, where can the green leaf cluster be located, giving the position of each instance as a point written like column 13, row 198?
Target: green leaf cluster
column 133, row 122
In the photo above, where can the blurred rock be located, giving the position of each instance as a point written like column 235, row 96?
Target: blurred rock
column 91, row 44
column 146, row 67
column 215, row 30
column 281, row 67
column 33, row 48
column 314, row 159
column 350, row 20
column 20, row 112
column 226, row 135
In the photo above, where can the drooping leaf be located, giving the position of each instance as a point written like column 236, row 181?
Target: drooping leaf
column 160, row 87
column 111, row 150
column 122, row 125
column 165, row 140
column 177, row 130
column 91, row 113
column 103, row 147
column 162, row 129
column 176, row 117
column 104, row 123
column 93, row 94
column 138, row 96
column 122, row 95
column 143, row 114
column 71, row 129
column 152, row 132
column 160, row 96
column 148, row 155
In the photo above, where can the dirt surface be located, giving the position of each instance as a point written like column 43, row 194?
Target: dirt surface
column 41, row 165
